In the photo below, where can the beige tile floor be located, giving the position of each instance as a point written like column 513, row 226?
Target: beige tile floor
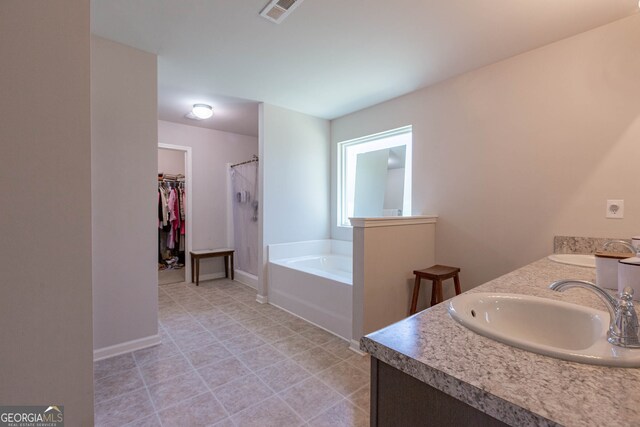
column 166, row 277
column 226, row 360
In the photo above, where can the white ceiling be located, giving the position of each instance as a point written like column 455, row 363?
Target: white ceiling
column 329, row 57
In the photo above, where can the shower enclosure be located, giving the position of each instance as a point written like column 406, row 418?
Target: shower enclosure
column 244, row 184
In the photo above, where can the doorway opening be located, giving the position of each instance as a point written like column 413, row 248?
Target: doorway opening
column 174, row 214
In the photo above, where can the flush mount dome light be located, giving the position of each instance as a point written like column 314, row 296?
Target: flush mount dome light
column 202, row 111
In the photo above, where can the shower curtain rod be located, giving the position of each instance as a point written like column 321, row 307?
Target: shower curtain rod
column 255, row 159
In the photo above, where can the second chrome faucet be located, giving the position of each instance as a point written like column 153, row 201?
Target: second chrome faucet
column 623, row 324
column 619, row 242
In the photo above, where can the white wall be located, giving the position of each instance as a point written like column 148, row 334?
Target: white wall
column 385, row 254
column 371, row 183
column 519, row 151
column 294, row 167
column 171, row 161
column 212, row 150
column 45, row 296
column 394, row 189
column 124, row 196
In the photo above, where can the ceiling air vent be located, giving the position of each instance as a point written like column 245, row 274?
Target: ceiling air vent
column 277, row 10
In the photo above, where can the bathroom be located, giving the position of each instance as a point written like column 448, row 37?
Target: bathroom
column 482, row 216
column 507, row 154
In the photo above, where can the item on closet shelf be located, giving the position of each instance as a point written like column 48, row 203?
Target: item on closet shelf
column 635, row 242
column 607, row 268
column 629, row 275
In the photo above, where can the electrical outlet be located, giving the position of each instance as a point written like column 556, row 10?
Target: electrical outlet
column 615, row 209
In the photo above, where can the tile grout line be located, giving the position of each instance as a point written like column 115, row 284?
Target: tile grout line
column 120, row 394
column 301, row 417
column 330, row 386
column 182, row 354
column 145, row 387
column 156, row 411
column 340, row 360
column 182, row 300
column 311, row 374
column 366, row 410
column 153, row 405
column 125, row 393
column 275, row 393
column 198, row 373
column 254, row 373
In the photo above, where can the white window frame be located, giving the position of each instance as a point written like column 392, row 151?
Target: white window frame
column 347, row 154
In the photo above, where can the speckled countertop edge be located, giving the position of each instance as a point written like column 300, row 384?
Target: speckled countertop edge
column 480, row 399
column 517, row 387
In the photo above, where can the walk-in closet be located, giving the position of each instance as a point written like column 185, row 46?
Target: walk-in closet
column 172, row 216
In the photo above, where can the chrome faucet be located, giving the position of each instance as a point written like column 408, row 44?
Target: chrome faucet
column 619, row 242
column 623, row 324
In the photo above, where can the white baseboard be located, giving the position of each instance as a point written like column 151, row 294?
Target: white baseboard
column 262, row 299
column 330, row 320
column 355, row 347
column 126, row 347
column 211, row 276
column 246, row 278
column 313, row 323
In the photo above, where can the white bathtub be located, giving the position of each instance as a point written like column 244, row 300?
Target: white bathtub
column 313, row 280
column 334, row 267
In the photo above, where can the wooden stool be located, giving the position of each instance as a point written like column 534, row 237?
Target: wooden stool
column 436, row 274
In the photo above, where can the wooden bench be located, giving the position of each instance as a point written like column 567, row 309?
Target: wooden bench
column 196, row 256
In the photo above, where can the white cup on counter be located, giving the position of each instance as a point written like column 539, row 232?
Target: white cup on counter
column 607, row 268
column 629, row 275
column 635, row 242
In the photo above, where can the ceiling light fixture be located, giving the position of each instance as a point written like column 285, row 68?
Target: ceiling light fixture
column 202, row 111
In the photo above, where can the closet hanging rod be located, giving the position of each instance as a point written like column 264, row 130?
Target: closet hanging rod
column 254, row 159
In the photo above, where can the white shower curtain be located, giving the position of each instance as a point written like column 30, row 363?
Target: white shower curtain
column 244, row 179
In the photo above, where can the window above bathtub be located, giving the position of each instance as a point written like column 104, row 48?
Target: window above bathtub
column 374, row 175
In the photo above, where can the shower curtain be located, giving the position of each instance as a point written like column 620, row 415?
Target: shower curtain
column 244, row 179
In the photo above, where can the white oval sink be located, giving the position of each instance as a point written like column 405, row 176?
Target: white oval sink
column 581, row 260
column 544, row 326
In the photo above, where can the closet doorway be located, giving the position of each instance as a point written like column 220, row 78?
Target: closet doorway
column 174, row 213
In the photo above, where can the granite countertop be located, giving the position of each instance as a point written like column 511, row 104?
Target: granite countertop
column 515, row 386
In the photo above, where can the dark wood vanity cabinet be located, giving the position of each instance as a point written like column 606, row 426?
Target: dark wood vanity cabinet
column 399, row 400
